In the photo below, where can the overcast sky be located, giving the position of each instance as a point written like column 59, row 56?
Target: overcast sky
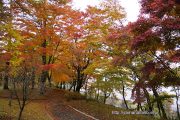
column 131, row 7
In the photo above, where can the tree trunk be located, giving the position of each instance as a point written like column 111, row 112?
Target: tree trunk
column 86, row 92
column 73, row 84
column 148, row 100
column 138, row 106
column 159, row 103
column 33, row 79
column 105, row 97
column 79, row 80
column 60, row 86
column 159, row 110
column 178, row 114
column 177, row 105
column 141, row 107
column 21, row 111
column 6, row 77
column 123, row 93
column 42, row 82
column 33, row 84
column 97, row 96
column 64, row 85
column 79, row 85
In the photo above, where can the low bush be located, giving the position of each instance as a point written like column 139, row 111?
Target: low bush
column 74, row 96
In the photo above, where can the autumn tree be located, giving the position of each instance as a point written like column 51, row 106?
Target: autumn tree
column 156, row 35
column 9, row 38
column 97, row 22
column 21, row 77
column 113, row 41
column 43, row 27
column 4, row 14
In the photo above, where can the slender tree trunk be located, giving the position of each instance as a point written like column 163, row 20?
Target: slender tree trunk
column 75, row 84
column 60, row 85
column 79, row 85
column 97, row 96
column 42, row 82
column 33, row 79
column 177, row 105
column 159, row 110
column 6, row 77
column 33, row 84
column 79, row 80
column 141, row 107
column 86, row 92
column 72, row 85
column 159, row 102
column 105, row 97
column 21, row 111
column 123, row 94
column 25, row 88
column 138, row 106
column 148, row 100
column 64, row 85
column 178, row 114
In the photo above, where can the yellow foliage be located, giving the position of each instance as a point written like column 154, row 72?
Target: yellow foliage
column 59, row 76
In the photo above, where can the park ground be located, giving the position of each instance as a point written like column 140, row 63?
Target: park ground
column 61, row 105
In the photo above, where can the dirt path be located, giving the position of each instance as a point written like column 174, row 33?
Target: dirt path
column 57, row 107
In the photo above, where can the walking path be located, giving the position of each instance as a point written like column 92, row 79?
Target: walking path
column 58, row 109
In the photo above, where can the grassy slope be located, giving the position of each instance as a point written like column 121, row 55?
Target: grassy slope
column 35, row 110
column 104, row 112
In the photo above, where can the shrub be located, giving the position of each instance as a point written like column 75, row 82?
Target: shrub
column 74, row 96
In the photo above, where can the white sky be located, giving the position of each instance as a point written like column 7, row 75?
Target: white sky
column 131, row 7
